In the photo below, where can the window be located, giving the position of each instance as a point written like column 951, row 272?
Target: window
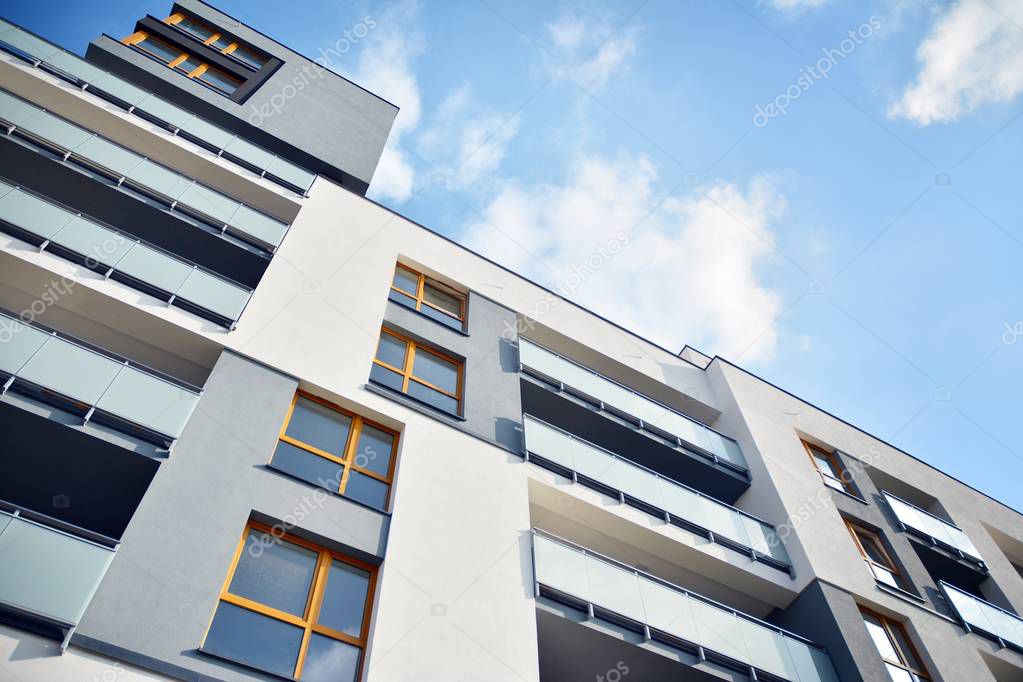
column 294, row 609
column 830, row 470
column 897, row 652
column 873, row 551
column 337, row 450
column 211, row 37
column 209, row 75
column 422, row 373
column 435, row 300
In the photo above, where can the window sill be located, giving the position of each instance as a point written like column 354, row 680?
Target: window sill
column 414, row 403
column 419, row 313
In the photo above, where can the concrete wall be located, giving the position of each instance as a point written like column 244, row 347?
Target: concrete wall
column 162, row 587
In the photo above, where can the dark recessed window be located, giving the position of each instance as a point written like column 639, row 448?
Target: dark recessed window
column 335, row 449
column 212, row 37
column 874, row 553
column 827, row 465
column 186, row 64
column 430, row 297
column 293, row 609
column 898, row 653
column 423, row 373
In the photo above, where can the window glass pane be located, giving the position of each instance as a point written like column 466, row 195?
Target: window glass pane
column 220, row 80
column 902, row 641
column 307, row 466
column 319, row 426
column 441, row 317
column 189, row 65
column 432, row 397
column 884, row 576
column 248, row 57
column 442, row 300
column 329, row 660
column 824, row 464
column 880, row 637
column 386, row 377
column 344, row 598
column 274, row 572
column 221, row 42
column 391, row 350
column 197, row 28
column 367, row 490
column 870, row 547
column 159, row 49
column 436, row 370
column 254, row 639
column 374, row 450
column 406, row 281
column 401, row 298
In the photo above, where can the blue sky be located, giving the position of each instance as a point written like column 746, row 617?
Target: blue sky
column 862, row 248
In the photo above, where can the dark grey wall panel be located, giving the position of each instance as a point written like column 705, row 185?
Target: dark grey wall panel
column 307, row 114
column 492, row 407
column 159, row 595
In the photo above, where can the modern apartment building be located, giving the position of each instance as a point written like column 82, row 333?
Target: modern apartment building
column 259, row 427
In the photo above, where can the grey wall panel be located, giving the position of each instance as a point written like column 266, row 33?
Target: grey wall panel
column 492, row 404
column 159, row 595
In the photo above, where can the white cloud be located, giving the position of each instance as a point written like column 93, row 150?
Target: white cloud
column 595, row 46
column 972, row 56
column 686, row 271
column 469, row 144
column 794, row 5
column 385, row 66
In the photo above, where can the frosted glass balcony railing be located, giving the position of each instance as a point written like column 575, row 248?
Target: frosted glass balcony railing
column 606, row 584
column 125, row 166
column 630, row 402
column 924, row 523
column 99, row 382
column 181, row 282
column 113, row 89
column 649, row 487
column 48, row 573
column 988, row 619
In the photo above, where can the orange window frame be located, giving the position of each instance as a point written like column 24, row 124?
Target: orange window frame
column 348, row 461
column 314, row 600
column 411, row 348
column 136, row 38
column 835, row 464
column 420, row 292
column 890, row 626
column 216, row 35
column 858, row 533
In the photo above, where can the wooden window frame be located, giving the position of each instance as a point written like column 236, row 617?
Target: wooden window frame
column 420, row 293
column 348, row 460
column 854, row 530
column 138, row 37
column 411, row 348
column 314, row 600
column 889, row 626
column 215, row 35
column 835, row 464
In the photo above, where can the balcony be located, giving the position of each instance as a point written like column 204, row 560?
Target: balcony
column 109, row 390
column 935, row 530
column 645, row 489
column 177, row 192
column 47, row 576
column 672, row 616
column 984, row 618
column 617, row 418
column 77, row 71
column 142, row 266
